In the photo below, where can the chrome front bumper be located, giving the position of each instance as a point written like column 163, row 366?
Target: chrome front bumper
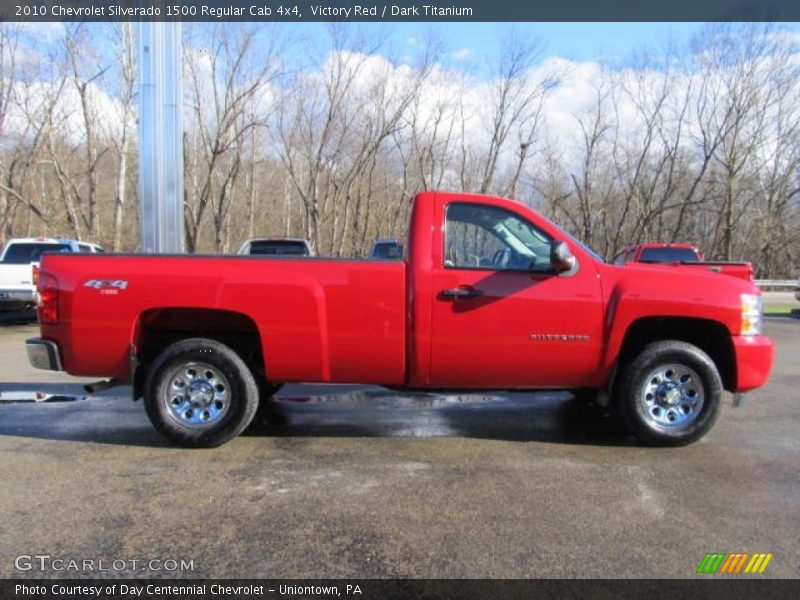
column 43, row 354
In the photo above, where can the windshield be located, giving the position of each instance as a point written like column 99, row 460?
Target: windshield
column 278, row 247
column 26, row 253
column 668, row 255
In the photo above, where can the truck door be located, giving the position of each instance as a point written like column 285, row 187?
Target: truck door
column 499, row 319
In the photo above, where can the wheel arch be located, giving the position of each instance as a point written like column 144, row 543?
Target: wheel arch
column 158, row 328
column 712, row 337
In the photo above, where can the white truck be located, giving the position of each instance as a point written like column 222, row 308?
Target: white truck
column 17, row 288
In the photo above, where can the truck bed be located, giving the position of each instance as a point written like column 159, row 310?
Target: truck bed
column 742, row 270
column 345, row 318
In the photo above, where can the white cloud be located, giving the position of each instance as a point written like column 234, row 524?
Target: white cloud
column 46, row 32
column 450, row 91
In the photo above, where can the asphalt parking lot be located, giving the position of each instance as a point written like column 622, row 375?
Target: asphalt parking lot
column 363, row 482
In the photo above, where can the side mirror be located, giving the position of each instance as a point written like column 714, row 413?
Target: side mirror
column 561, row 258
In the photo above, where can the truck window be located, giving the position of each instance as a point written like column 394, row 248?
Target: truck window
column 26, row 253
column 388, row 250
column 478, row 236
column 667, row 255
column 279, row 247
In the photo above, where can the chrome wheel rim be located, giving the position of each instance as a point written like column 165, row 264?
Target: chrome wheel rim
column 196, row 394
column 672, row 397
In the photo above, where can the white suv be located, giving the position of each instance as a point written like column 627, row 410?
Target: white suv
column 17, row 289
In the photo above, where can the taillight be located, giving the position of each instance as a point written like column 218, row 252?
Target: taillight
column 35, row 275
column 48, row 299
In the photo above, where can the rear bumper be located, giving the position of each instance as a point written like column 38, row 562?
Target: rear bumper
column 43, row 354
column 754, row 357
column 12, row 298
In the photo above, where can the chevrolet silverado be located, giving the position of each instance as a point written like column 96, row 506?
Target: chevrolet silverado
column 491, row 296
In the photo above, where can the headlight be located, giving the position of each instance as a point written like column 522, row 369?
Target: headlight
column 751, row 314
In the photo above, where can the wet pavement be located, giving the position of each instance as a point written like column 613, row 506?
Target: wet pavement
column 368, row 482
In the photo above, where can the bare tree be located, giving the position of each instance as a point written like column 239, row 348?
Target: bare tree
column 228, row 75
column 125, row 51
column 84, row 71
column 591, row 186
column 516, row 100
column 698, row 143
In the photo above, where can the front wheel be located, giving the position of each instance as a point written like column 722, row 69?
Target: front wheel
column 670, row 394
column 200, row 393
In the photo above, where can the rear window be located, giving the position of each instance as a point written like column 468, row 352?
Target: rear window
column 26, row 253
column 668, row 255
column 388, row 250
column 283, row 248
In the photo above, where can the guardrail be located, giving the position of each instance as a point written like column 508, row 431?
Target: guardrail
column 789, row 284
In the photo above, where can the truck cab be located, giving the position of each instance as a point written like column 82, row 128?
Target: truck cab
column 494, row 300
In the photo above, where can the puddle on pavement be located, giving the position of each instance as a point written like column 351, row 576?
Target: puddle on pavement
column 19, row 396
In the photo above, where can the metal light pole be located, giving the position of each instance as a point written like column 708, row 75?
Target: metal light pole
column 160, row 138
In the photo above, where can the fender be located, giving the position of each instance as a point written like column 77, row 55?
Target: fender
column 644, row 292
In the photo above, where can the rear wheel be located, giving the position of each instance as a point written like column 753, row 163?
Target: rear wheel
column 199, row 393
column 670, row 394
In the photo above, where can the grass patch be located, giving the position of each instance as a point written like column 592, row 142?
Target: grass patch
column 779, row 309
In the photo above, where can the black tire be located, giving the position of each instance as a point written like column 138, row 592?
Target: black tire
column 237, row 403
column 638, row 394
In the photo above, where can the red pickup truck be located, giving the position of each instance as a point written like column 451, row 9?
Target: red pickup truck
column 491, row 296
column 682, row 254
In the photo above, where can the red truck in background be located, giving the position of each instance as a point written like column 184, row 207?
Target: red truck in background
column 682, row 254
column 491, row 296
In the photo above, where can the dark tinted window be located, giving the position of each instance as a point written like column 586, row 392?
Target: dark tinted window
column 668, row 255
column 388, row 250
column 22, row 254
column 279, row 247
column 84, row 248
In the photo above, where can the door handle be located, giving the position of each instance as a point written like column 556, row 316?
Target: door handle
column 461, row 293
